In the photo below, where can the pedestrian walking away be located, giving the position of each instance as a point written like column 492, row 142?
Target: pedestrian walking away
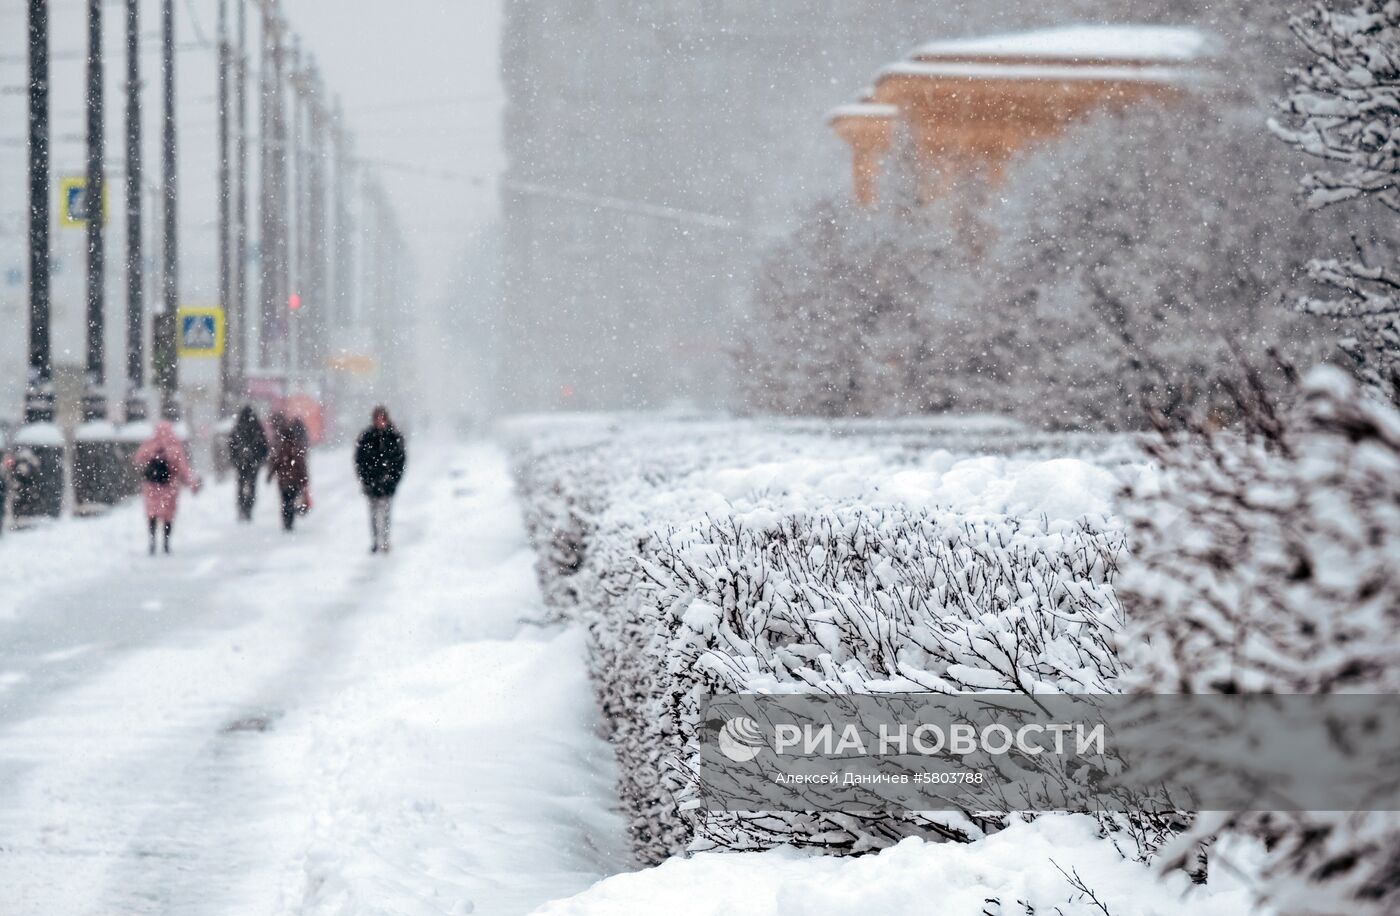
column 247, row 451
column 289, row 467
column 380, row 458
column 165, row 468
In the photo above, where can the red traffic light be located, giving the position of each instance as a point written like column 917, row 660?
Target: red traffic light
column 294, row 302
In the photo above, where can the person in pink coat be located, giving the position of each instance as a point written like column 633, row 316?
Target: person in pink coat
column 165, row 468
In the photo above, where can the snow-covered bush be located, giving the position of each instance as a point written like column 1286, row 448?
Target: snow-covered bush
column 740, row 557
column 1343, row 110
column 1271, row 564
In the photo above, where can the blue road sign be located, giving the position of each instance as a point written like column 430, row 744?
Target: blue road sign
column 201, row 331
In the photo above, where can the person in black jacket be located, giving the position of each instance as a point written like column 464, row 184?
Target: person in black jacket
column 247, row 450
column 290, row 465
column 379, row 462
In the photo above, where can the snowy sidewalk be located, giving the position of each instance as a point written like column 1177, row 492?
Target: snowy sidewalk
column 456, row 767
column 265, row 724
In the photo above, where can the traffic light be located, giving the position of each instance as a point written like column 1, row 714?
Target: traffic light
column 294, row 302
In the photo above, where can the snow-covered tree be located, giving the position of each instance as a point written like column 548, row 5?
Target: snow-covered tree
column 866, row 312
column 1145, row 248
column 1117, row 272
column 1344, row 109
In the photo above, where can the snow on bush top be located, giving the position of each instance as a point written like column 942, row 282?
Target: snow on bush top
column 977, row 467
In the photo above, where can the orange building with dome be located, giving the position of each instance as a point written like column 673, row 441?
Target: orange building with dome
column 971, row 105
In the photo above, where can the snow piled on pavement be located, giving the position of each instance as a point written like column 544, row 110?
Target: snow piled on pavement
column 1016, row 872
column 457, row 769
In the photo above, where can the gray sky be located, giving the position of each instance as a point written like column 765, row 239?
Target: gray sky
column 421, row 88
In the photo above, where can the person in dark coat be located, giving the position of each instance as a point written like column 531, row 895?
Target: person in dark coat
column 289, row 466
column 380, row 458
column 247, row 450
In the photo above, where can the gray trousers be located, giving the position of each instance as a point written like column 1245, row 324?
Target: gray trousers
column 379, row 520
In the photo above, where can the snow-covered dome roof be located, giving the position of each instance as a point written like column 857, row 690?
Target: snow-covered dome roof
column 1158, row 44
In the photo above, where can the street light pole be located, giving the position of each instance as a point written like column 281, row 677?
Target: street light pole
column 96, row 475
column 94, row 398
column 39, row 397
column 273, row 262
column 343, row 236
column 281, row 238
column 296, row 189
column 265, row 293
column 38, row 469
column 237, row 334
column 226, row 395
column 163, row 343
column 134, row 431
column 316, row 205
column 135, row 267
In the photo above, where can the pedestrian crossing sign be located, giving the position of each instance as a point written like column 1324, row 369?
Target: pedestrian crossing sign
column 201, row 331
column 73, row 202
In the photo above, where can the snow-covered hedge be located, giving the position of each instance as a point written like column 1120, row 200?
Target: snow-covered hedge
column 865, row 601
column 1273, row 566
column 706, row 557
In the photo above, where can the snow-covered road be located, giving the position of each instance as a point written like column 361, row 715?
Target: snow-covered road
column 266, row 723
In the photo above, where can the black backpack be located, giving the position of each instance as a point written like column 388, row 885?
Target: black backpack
column 158, row 470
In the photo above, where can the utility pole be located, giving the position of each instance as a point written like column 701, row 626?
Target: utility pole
column 39, row 397
column 318, row 271
column 135, row 267
column 96, row 475
column 296, row 252
column 225, row 202
column 281, row 262
column 38, row 469
column 341, row 234
column 369, row 251
column 273, row 293
column 130, row 436
column 237, row 334
column 340, row 217
column 163, row 343
column 94, row 398
column 265, row 291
